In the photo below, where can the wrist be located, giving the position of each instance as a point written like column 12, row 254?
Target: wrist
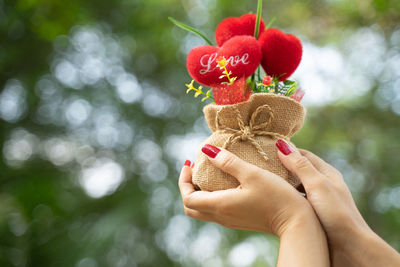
column 365, row 248
column 346, row 238
column 305, row 239
column 303, row 219
column 359, row 239
column 349, row 243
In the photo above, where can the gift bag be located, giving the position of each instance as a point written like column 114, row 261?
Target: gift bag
column 249, row 130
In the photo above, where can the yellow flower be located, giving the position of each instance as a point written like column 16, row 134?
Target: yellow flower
column 198, row 91
column 222, row 62
column 190, row 87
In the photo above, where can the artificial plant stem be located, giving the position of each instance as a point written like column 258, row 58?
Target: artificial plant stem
column 190, row 29
column 259, row 73
column 259, row 9
column 256, row 30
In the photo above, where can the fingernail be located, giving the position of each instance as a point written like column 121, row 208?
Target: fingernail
column 187, row 163
column 193, row 165
column 283, row 147
column 210, row 150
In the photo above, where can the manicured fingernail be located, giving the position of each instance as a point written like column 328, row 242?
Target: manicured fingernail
column 193, row 165
column 283, row 147
column 187, row 163
column 210, row 150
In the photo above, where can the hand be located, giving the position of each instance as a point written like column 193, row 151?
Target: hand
column 352, row 242
column 326, row 191
column 263, row 202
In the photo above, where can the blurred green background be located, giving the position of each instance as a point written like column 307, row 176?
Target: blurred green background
column 95, row 125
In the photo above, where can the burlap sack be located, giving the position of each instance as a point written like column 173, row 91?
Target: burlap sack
column 249, row 130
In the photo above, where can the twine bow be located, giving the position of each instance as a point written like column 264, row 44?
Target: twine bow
column 248, row 132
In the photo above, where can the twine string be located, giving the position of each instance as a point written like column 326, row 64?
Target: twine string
column 248, row 132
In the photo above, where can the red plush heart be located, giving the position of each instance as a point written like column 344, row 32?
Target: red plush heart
column 281, row 53
column 231, row 27
column 244, row 55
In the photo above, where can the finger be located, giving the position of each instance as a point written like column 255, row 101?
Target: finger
column 299, row 165
column 185, row 181
column 210, row 202
column 230, row 163
column 321, row 165
column 202, row 216
column 198, row 200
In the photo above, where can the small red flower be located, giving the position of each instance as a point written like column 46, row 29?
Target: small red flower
column 267, row 80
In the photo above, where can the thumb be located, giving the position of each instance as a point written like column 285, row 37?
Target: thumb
column 299, row 165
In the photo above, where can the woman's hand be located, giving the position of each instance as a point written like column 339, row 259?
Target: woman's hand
column 263, row 202
column 352, row 242
column 326, row 191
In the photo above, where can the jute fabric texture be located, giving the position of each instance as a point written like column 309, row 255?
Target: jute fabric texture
column 249, row 130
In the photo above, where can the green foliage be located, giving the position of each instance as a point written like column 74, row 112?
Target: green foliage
column 190, row 29
column 286, row 88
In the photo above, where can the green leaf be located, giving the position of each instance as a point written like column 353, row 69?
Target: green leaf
column 250, row 81
column 270, row 23
column 288, row 82
column 290, row 87
column 259, row 9
column 190, row 29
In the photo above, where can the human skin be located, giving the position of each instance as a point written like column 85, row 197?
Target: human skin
column 351, row 240
column 263, row 202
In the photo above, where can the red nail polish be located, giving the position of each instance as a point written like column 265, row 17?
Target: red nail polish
column 210, row 150
column 187, row 163
column 193, row 165
column 283, row 147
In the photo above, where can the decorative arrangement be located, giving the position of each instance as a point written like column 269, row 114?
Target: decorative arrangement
column 249, row 111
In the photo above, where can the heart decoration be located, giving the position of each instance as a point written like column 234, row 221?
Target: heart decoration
column 243, row 52
column 235, row 26
column 281, row 53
